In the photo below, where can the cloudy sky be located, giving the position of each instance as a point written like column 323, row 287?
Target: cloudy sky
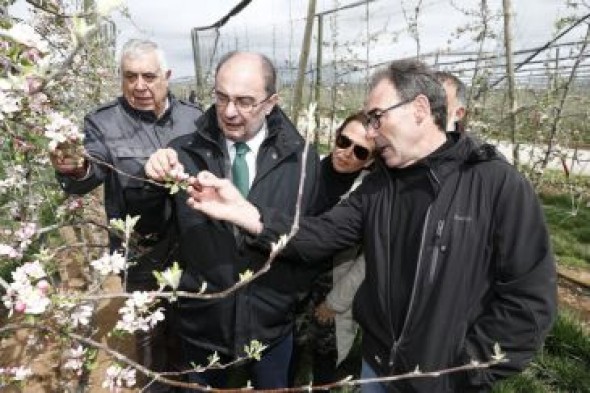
column 275, row 27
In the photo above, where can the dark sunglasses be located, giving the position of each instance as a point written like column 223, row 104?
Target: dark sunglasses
column 344, row 142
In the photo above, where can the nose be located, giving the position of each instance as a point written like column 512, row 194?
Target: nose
column 230, row 109
column 140, row 84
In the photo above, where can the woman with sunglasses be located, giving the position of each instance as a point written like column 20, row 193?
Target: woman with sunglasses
column 326, row 326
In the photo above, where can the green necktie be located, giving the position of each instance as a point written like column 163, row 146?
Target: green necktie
column 239, row 169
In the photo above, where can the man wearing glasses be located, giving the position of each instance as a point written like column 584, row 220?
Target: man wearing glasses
column 457, row 252
column 246, row 138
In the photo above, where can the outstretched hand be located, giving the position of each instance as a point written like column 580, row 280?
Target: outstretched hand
column 221, row 200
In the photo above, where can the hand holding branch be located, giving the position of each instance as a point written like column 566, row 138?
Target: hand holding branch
column 221, row 200
column 163, row 165
column 68, row 159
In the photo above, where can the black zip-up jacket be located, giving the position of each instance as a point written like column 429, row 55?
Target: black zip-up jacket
column 124, row 137
column 210, row 250
column 485, row 271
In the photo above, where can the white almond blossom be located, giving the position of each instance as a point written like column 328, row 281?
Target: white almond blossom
column 117, row 377
column 109, row 264
column 8, row 103
column 16, row 373
column 75, row 359
column 61, row 130
column 81, row 315
column 25, row 34
column 136, row 314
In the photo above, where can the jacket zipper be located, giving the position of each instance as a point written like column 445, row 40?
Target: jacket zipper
column 414, row 287
column 439, row 229
column 436, row 251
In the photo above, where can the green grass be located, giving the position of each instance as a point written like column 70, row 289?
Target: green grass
column 569, row 225
column 562, row 366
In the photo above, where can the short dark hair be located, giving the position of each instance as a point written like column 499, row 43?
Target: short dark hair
column 412, row 77
column 268, row 68
column 357, row 116
column 461, row 89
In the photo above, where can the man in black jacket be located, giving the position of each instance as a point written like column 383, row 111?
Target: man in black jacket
column 123, row 134
column 245, row 116
column 457, row 251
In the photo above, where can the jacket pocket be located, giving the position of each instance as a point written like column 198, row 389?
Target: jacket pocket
column 131, row 161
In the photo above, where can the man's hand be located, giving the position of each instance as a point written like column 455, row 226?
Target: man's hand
column 324, row 314
column 162, row 165
column 221, row 200
column 68, row 161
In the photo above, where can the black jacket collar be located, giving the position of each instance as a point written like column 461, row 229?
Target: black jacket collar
column 148, row 116
column 281, row 132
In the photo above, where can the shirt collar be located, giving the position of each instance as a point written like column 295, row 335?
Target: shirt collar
column 253, row 143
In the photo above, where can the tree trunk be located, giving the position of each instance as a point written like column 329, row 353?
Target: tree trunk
column 507, row 4
column 298, row 93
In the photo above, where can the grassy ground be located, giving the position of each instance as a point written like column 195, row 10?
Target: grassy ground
column 569, row 223
column 564, row 363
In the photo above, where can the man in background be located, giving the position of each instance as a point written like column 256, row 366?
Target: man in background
column 456, row 100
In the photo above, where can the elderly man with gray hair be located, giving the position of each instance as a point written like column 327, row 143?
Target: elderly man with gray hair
column 123, row 134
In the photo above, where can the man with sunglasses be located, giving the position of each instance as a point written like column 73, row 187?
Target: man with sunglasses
column 244, row 137
column 457, row 251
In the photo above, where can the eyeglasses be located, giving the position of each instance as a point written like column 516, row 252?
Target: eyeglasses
column 360, row 152
column 373, row 117
column 244, row 104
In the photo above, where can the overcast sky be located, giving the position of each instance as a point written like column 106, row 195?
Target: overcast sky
column 276, row 26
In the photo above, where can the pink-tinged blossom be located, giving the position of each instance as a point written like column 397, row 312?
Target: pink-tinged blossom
column 9, row 251
column 109, row 264
column 23, row 295
column 15, row 179
column 117, row 377
column 61, row 130
column 25, row 234
column 38, row 102
column 32, row 84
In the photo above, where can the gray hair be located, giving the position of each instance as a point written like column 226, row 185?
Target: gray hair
column 412, row 77
column 268, row 69
column 460, row 88
column 137, row 47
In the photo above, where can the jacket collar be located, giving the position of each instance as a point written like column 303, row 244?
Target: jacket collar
column 144, row 115
column 281, row 132
column 460, row 149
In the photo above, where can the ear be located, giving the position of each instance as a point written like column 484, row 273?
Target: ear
column 421, row 108
column 168, row 74
column 460, row 112
column 270, row 103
